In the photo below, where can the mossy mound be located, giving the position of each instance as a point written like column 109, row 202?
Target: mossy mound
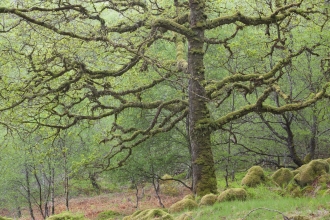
column 106, row 215
column 295, row 172
column 149, row 214
column 184, row 204
column 254, row 177
column 282, row 177
column 4, row 218
column 232, row 194
column 309, row 172
column 208, row 199
column 190, row 196
column 327, row 160
column 67, row 216
column 185, row 216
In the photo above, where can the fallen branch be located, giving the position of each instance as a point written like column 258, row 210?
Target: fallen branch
column 271, row 210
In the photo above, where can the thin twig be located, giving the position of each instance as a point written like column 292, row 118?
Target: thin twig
column 271, row 210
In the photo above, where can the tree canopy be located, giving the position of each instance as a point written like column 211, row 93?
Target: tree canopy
column 148, row 67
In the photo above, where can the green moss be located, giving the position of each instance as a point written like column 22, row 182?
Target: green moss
column 328, row 160
column 282, row 177
column 307, row 158
column 232, row 194
column 190, row 196
column 309, row 172
column 107, row 215
column 208, row 199
column 207, row 181
column 67, row 216
column 295, row 172
column 184, row 204
column 185, row 216
column 4, row 218
column 254, row 177
column 196, row 51
column 149, row 214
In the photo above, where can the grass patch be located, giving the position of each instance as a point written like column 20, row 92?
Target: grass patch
column 266, row 209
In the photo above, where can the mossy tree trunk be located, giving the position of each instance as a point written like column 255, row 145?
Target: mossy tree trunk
column 204, row 179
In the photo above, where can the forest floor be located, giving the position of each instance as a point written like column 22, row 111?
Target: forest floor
column 123, row 202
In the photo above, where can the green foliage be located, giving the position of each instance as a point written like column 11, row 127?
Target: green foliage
column 88, row 86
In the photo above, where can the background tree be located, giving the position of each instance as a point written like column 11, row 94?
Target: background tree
column 66, row 63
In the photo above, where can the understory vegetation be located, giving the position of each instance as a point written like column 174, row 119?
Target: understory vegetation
column 274, row 196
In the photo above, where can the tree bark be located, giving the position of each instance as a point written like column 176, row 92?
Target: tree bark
column 204, row 179
column 28, row 191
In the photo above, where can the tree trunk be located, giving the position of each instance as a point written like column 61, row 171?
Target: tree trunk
column 293, row 153
column 204, row 179
column 53, row 191
column 28, row 191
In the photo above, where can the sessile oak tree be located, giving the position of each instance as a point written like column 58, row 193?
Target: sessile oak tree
column 64, row 62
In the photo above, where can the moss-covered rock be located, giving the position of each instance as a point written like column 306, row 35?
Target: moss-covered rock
column 190, row 196
column 106, row 215
column 184, row 204
column 295, row 172
column 254, row 177
column 185, row 216
column 149, row 214
column 67, row 216
column 282, row 177
column 309, row 172
column 232, row 194
column 4, row 218
column 208, row 199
